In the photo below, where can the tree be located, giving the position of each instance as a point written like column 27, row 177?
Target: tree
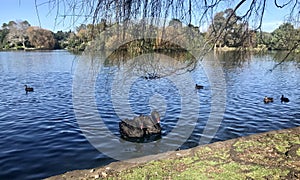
column 3, row 34
column 41, row 38
column 264, row 38
column 216, row 29
column 250, row 14
column 17, row 35
column 202, row 12
column 176, row 23
column 81, row 27
column 228, row 30
column 234, row 30
column 60, row 35
column 285, row 37
column 61, row 39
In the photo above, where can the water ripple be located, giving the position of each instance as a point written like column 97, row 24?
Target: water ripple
column 40, row 137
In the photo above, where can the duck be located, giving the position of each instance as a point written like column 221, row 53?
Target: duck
column 197, row 86
column 141, row 126
column 28, row 89
column 284, row 99
column 268, row 99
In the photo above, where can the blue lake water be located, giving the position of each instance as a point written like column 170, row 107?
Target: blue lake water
column 42, row 133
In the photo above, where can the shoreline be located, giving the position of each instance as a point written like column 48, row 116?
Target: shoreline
column 269, row 155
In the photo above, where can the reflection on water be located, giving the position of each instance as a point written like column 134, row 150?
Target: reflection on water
column 40, row 135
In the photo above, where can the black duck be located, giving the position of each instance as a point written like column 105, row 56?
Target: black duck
column 28, row 89
column 197, row 86
column 284, row 99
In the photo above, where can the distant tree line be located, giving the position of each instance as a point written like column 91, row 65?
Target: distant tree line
column 226, row 30
column 231, row 31
column 21, row 35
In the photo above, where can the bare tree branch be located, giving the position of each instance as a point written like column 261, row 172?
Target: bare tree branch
column 283, row 5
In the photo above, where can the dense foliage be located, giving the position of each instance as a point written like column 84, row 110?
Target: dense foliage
column 21, row 35
column 226, row 26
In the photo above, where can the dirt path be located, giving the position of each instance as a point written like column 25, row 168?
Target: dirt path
column 271, row 155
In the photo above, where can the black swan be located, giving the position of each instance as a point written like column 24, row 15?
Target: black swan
column 268, row 99
column 131, row 128
column 28, row 89
column 284, row 99
column 197, row 86
column 140, row 126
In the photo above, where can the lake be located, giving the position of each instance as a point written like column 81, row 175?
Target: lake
column 71, row 119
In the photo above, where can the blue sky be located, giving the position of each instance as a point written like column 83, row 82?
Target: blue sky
column 26, row 10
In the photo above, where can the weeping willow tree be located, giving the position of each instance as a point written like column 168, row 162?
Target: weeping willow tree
column 188, row 11
column 200, row 13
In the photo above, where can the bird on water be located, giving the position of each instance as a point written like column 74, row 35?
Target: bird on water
column 268, row 99
column 28, row 89
column 197, row 86
column 141, row 126
column 284, row 99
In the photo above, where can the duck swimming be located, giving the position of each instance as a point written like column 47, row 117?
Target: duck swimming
column 140, row 126
column 268, row 99
column 197, row 86
column 284, row 99
column 28, row 89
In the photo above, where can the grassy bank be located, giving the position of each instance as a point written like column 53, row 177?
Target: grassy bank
column 271, row 155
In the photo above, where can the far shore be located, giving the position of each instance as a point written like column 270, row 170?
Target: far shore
column 224, row 49
column 29, row 49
